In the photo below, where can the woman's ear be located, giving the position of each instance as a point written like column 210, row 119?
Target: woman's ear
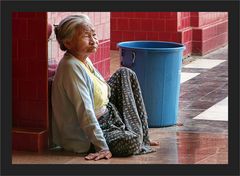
column 67, row 44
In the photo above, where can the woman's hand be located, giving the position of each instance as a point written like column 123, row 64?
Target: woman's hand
column 154, row 143
column 103, row 154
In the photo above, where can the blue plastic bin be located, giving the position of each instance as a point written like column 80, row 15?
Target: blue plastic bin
column 158, row 67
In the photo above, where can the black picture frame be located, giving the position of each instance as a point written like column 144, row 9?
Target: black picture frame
column 7, row 7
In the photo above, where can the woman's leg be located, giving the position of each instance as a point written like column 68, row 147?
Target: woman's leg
column 121, row 142
column 127, row 97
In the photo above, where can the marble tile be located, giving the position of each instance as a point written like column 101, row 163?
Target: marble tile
column 218, row 112
column 220, row 158
column 216, row 95
column 199, row 105
column 175, row 148
column 221, row 54
column 192, row 96
column 188, row 113
column 204, row 63
column 186, row 76
column 46, row 157
column 194, row 70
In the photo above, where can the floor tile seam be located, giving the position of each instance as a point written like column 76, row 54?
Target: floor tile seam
column 205, row 120
column 215, row 75
column 194, row 131
column 223, row 86
column 202, row 98
column 206, row 132
column 205, row 70
column 210, row 58
column 71, row 160
column 220, row 88
column 211, row 92
column 211, row 103
column 206, row 73
column 220, row 52
column 201, row 110
column 192, row 70
column 197, row 77
column 205, row 159
column 203, row 133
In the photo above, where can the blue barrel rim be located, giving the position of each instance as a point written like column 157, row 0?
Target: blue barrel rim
column 178, row 46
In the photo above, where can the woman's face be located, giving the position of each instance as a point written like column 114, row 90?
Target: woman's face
column 84, row 41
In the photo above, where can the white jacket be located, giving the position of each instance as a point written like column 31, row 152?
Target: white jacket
column 75, row 125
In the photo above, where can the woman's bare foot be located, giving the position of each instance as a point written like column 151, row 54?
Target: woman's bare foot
column 154, row 143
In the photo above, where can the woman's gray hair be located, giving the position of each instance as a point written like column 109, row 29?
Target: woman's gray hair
column 67, row 27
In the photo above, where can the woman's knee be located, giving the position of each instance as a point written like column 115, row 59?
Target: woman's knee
column 125, row 147
column 124, row 70
column 133, row 147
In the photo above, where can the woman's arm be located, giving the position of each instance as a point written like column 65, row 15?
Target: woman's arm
column 78, row 90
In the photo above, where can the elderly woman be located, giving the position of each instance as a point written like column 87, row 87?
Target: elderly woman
column 91, row 115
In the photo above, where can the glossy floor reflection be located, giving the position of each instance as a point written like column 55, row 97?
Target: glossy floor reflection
column 196, row 141
column 175, row 148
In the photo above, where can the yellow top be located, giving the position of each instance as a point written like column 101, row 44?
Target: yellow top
column 100, row 87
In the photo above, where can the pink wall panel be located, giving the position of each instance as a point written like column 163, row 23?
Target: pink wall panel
column 206, row 18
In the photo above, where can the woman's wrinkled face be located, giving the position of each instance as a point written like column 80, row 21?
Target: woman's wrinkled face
column 84, row 40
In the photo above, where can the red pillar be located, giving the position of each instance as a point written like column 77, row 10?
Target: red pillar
column 29, row 81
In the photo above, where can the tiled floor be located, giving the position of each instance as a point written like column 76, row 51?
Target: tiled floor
column 203, row 107
column 217, row 112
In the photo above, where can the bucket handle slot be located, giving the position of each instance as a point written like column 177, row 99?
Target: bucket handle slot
column 133, row 55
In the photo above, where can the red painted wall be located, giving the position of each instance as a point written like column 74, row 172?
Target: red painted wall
column 200, row 32
column 142, row 26
column 210, row 31
column 145, row 26
column 184, row 31
column 29, row 80
column 101, row 21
